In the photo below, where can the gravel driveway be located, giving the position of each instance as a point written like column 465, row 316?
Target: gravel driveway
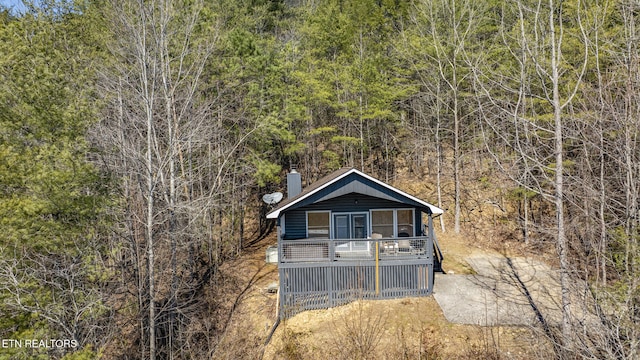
column 505, row 291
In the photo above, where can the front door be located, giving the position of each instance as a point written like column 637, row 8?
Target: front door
column 350, row 226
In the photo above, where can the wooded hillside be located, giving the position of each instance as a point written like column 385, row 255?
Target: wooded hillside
column 138, row 136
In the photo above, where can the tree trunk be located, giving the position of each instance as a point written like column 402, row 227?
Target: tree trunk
column 149, row 234
column 559, row 183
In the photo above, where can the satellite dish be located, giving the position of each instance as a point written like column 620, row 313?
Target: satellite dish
column 272, row 199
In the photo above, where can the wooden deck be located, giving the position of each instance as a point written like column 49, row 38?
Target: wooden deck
column 317, row 274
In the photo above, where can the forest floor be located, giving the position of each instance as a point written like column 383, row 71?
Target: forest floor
column 482, row 326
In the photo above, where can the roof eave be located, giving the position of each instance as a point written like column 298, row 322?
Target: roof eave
column 273, row 215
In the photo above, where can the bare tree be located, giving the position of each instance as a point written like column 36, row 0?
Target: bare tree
column 614, row 139
column 175, row 148
column 535, row 43
column 62, row 290
column 445, row 30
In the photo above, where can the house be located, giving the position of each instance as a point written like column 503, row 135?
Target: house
column 350, row 236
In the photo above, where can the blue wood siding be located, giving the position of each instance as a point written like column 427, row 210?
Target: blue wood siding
column 356, row 184
column 295, row 220
column 295, row 225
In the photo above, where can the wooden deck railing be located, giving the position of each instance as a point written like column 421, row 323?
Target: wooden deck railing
column 329, row 250
column 322, row 273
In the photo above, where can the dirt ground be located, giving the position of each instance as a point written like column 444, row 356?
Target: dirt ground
column 410, row 328
column 250, row 309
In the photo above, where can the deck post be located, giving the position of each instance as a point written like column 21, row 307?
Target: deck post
column 332, row 250
column 430, row 250
column 281, row 291
column 377, row 256
column 281, row 303
column 329, row 275
column 279, row 239
column 329, row 284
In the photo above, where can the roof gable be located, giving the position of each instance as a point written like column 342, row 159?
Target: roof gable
column 346, row 181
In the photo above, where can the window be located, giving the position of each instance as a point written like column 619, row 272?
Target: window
column 392, row 223
column 405, row 223
column 318, row 224
column 382, row 222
